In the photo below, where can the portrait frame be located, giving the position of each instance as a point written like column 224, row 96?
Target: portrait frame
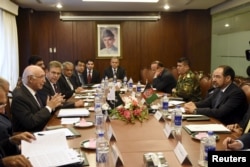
column 108, row 41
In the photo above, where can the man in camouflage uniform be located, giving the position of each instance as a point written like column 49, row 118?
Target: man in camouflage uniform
column 188, row 86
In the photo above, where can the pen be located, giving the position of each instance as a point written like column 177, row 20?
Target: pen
column 40, row 134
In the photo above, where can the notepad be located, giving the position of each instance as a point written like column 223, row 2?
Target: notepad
column 50, row 149
column 207, row 127
column 74, row 112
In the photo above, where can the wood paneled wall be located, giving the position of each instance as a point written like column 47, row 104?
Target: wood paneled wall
column 175, row 35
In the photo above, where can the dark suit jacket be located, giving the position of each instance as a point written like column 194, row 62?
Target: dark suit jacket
column 5, row 127
column 65, row 88
column 47, row 90
column 245, row 138
column 26, row 113
column 7, row 149
column 120, row 74
column 95, row 76
column 77, row 80
column 231, row 108
column 164, row 82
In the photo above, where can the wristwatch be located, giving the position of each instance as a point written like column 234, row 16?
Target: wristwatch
column 195, row 111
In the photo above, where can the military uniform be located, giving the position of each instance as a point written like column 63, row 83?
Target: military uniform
column 188, row 87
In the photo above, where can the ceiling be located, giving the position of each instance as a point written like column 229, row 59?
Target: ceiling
column 79, row 5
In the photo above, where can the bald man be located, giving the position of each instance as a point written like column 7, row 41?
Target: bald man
column 29, row 111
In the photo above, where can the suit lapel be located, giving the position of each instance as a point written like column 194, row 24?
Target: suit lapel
column 30, row 96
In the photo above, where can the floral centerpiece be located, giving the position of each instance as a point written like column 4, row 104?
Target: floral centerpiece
column 131, row 111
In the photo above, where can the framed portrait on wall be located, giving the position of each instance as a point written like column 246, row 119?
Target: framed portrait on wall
column 108, row 40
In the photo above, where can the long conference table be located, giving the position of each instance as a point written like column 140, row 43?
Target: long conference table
column 134, row 140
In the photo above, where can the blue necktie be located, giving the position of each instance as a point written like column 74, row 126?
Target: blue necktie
column 218, row 99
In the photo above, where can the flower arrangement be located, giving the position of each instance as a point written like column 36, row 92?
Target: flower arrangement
column 131, row 111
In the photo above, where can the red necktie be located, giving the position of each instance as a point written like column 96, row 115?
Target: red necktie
column 89, row 77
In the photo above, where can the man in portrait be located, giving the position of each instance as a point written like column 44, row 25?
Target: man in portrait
column 108, row 39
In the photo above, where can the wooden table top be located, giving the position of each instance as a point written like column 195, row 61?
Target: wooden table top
column 133, row 140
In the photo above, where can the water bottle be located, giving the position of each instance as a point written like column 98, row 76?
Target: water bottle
column 178, row 118
column 106, row 83
column 125, row 79
column 102, row 151
column 165, row 102
column 130, row 85
column 210, row 145
column 138, row 89
column 99, row 121
column 102, row 85
column 178, row 123
column 98, row 102
column 115, row 78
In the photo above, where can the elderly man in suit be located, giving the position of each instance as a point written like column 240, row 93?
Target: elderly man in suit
column 163, row 80
column 114, row 69
column 228, row 103
column 67, row 80
column 52, row 87
column 91, row 75
column 29, row 112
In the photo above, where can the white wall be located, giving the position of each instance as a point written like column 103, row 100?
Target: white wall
column 229, row 49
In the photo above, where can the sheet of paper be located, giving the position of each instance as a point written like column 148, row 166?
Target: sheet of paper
column 49, row 149
column 207, row 127
column 73, row 112
column 70, row 120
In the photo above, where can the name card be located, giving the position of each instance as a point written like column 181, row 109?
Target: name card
column 116, row 156
column 111, row 134
column 168, row 131
column 181, row 154
column 159, row 116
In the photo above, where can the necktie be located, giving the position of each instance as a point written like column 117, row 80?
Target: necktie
column 55, row 88
column 115, row 71
column 218, row 99
column 69, row 83
column 81, row 79
column 89, row 77
column 38, row 99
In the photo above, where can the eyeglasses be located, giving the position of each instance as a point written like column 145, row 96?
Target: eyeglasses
column 2, row 105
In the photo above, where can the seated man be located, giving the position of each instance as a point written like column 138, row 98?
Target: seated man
column 29, row 112
column 9, row 156
column 36, row 60
column 5, row 124
column 51, row 86
column 242, row 142
column 188, row 86
column 67, row 80
column 163, row 80
column 78, row 72
column 114, row 69
column 91, row 75
column 228, row 103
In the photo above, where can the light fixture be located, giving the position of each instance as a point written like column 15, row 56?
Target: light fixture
column 131, row 18
column 59, row 6
column 140, row 1
column 166, row 7
column 226, row 25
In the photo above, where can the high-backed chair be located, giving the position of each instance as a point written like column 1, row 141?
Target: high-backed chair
column 174, row 72
column 205, row 85
column 245, row 86
column 146, row 75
